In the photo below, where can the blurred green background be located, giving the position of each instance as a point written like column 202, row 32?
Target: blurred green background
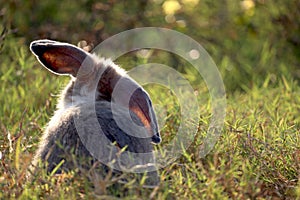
column 251, row 41
column 254, row 43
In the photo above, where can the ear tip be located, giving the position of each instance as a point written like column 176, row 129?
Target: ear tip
column 156, row 139
column 33, row 46
column 37, row 49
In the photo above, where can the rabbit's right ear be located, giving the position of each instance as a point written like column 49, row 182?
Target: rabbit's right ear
column 60, row 58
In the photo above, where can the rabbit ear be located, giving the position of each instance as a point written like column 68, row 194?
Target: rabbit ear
column 59, row 58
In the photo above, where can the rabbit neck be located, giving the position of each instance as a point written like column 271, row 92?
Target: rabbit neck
column 96, row 83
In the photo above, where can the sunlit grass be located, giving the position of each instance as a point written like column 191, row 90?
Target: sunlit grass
column 257, row 155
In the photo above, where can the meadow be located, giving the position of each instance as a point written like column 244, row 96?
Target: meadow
column 257, row 155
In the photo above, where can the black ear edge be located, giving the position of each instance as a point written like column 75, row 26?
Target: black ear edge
column 44, row 41
column 38, row 47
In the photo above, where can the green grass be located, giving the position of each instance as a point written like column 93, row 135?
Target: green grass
column 257, row 156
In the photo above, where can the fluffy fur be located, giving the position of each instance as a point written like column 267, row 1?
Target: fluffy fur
column 89, row 96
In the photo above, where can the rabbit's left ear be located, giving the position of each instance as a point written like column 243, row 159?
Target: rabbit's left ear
column 59, row 58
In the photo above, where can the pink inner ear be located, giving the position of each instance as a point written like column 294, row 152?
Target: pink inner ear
column 63, row 60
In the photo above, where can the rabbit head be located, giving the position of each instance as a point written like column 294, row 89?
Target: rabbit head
column 95, row 79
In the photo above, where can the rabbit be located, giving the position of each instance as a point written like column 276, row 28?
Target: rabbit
column 93, row 119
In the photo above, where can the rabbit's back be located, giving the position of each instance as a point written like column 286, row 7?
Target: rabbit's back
column 62, row 142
